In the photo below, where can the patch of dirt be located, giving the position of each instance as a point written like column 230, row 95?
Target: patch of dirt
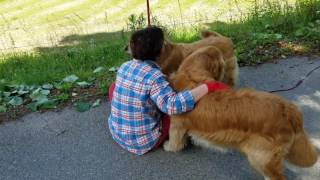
column 275, row 51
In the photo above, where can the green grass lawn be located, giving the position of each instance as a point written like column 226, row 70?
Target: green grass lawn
column 51, row 64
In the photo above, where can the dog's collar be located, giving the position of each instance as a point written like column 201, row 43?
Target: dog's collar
column 216, row 86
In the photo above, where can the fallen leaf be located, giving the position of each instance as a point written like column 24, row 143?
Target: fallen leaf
column 32, row 106
column 21, row 92
column 83, row 84
column 96, row 103
column 82, row 106
column 41, row 101
column 98, row 69
column 113, row 69
column 71, row 79
column 16, row 101
column 50, row 104
column 47, row 86
column 278, row 36
column 6, row 94
column 38, row 95
column 45, row 92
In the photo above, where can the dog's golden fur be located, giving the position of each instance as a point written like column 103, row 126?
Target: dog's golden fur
column 265, row 127
column 173, row 54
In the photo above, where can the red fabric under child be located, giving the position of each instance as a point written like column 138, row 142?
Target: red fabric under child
column 164, row 132
column 111, row 89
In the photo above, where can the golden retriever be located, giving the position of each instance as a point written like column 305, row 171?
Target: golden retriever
column 265, row 127
column 173, row 54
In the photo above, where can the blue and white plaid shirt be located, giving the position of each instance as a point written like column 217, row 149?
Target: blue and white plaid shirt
column 141, row 94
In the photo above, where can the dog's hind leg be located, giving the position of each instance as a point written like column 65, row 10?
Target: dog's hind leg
column 273, row 169
column 265, row 157
column 177, row 136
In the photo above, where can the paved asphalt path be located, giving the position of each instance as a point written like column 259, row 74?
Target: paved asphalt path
column 72, row 145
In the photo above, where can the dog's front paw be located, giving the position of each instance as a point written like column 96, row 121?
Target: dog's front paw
column 167, row 146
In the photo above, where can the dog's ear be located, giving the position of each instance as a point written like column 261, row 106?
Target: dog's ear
column 172, row 75
column 206, row 33
column 171, row 79
column 166, row 47
column 179, row 81
column 176, row 81
column 168, row 44
column 127, row 49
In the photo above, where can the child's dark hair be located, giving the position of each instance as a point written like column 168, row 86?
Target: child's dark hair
column 146, row 44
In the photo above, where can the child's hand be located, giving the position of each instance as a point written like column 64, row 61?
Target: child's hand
column 216, row 86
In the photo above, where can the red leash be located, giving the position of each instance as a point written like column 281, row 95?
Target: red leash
column 298, row 83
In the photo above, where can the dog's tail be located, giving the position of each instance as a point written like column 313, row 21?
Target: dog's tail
column 302, row 152
column 206, row 33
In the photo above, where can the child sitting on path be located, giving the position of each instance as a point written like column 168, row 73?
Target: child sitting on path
column 141, row 96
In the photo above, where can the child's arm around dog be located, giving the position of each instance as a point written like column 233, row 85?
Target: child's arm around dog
column 170, row 102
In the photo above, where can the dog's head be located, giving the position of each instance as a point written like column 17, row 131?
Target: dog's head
column 205, row 64
column 127, row 49
column 212, row 60
column 181, row 81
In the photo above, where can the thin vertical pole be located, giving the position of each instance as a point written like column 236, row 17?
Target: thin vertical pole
column 180, row 12
column 148, row 9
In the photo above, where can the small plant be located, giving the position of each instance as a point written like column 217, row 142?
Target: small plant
column 63, row 97
column 103, row 86
column 64, row 87
column 82, row 106
column 136, row 22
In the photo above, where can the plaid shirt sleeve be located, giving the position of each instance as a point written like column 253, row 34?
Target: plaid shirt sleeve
column 166, row 99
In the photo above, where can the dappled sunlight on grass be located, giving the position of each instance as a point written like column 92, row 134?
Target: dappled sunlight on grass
column 294, row 47
column 31, row 23
column 76, row 54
